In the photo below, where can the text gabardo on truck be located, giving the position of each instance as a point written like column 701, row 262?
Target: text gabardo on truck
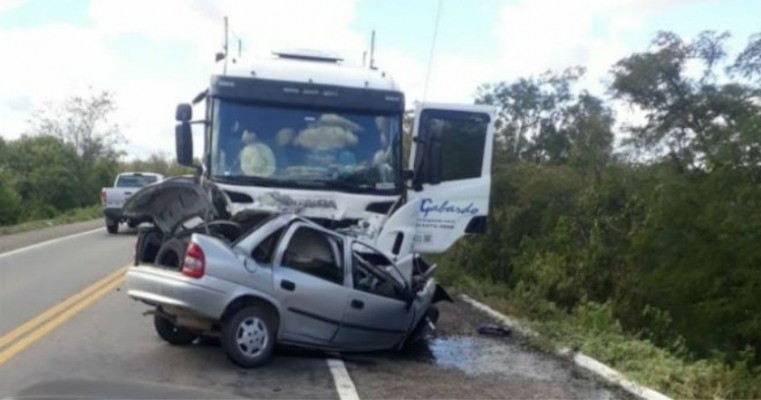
column 304, row 134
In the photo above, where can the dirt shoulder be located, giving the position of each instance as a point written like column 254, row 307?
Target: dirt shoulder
column 18, row 240
column 459, row 363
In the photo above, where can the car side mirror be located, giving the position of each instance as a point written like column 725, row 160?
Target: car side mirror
column 184, row 144
column 184, row 112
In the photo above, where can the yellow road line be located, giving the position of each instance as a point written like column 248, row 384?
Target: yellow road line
column 46, row 321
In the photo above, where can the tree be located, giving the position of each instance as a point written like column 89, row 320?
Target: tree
column 159, row 163
column 48, row 176
column 588, row 125
column 697, row 121
column 85, row 122
column 10, row 201
column 529, row 114
column 748, row 62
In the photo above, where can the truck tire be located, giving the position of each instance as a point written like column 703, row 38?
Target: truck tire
column 172, row 333
column 248, row 336
column 112, row 226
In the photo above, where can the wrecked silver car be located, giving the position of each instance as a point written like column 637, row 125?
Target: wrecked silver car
column 256, row 279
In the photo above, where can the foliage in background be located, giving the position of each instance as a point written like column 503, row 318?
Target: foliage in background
column 648, row 258
column 60, row 165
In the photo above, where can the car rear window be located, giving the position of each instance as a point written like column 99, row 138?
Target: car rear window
column 135, row 180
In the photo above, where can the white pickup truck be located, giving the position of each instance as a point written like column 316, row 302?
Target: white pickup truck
column 113, row 198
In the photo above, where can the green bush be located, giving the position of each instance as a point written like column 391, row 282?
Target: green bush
column 10, row 201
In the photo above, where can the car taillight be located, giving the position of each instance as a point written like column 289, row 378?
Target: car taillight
column 103, row 196
column 194, row 263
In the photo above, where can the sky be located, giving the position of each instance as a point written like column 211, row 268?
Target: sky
column 154, row 54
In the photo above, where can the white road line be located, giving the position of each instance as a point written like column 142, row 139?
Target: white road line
column 344, row 385
column 48, row 242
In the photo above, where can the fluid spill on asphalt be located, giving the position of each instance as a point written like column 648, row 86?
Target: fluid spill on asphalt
column 478, row 355
column 485, row 356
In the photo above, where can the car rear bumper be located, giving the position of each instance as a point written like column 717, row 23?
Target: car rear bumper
column 206, row 297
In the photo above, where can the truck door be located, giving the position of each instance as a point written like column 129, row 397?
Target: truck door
column 451, row 158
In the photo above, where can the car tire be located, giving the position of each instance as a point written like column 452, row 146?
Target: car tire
column 248, row 336
column 171, row 253
column 112, row 226
column 172, row 333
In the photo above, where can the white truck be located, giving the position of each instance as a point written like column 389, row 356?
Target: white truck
column 112, row 198
column 303, row 132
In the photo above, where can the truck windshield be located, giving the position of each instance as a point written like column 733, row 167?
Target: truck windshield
column 135, row 180
column 305, row 148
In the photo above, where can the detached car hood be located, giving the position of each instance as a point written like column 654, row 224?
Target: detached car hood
column 175, row 200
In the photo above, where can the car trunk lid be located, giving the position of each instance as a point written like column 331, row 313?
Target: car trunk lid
column 174, row 200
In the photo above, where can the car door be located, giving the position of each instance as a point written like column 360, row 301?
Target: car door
column 451, row 160
column 309, row 284
column 377, row 316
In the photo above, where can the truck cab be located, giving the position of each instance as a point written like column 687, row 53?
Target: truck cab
column 304, row 133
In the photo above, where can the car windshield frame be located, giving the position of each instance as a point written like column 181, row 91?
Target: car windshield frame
column 363, row 148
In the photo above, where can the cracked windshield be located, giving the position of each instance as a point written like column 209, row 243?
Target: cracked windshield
column 380, row 199
column 302, row 147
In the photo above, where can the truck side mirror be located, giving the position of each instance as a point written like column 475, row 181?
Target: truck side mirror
column 184, row 112
column 184, row 143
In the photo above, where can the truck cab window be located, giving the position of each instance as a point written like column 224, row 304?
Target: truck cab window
column 461, row 140
column 135, row 181
column 315, row 253
column 347, row 151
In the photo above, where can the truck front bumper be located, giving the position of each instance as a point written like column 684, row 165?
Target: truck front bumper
column 207, row 296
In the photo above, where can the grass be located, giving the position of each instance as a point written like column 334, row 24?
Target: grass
column 75, row 215
column 592, row 329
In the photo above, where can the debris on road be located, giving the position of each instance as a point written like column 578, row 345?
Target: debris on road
column 494, row 330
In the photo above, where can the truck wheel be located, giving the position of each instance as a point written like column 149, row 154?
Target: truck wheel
column 248, row 337
column 172, row 333
column 112, row 226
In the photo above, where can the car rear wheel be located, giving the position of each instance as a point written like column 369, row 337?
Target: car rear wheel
column 172, row 333
column 248, row 336
column 112, row 226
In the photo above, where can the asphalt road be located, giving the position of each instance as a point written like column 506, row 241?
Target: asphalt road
column 100, row 345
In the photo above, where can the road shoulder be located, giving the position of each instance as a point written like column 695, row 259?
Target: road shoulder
column 19, row 240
